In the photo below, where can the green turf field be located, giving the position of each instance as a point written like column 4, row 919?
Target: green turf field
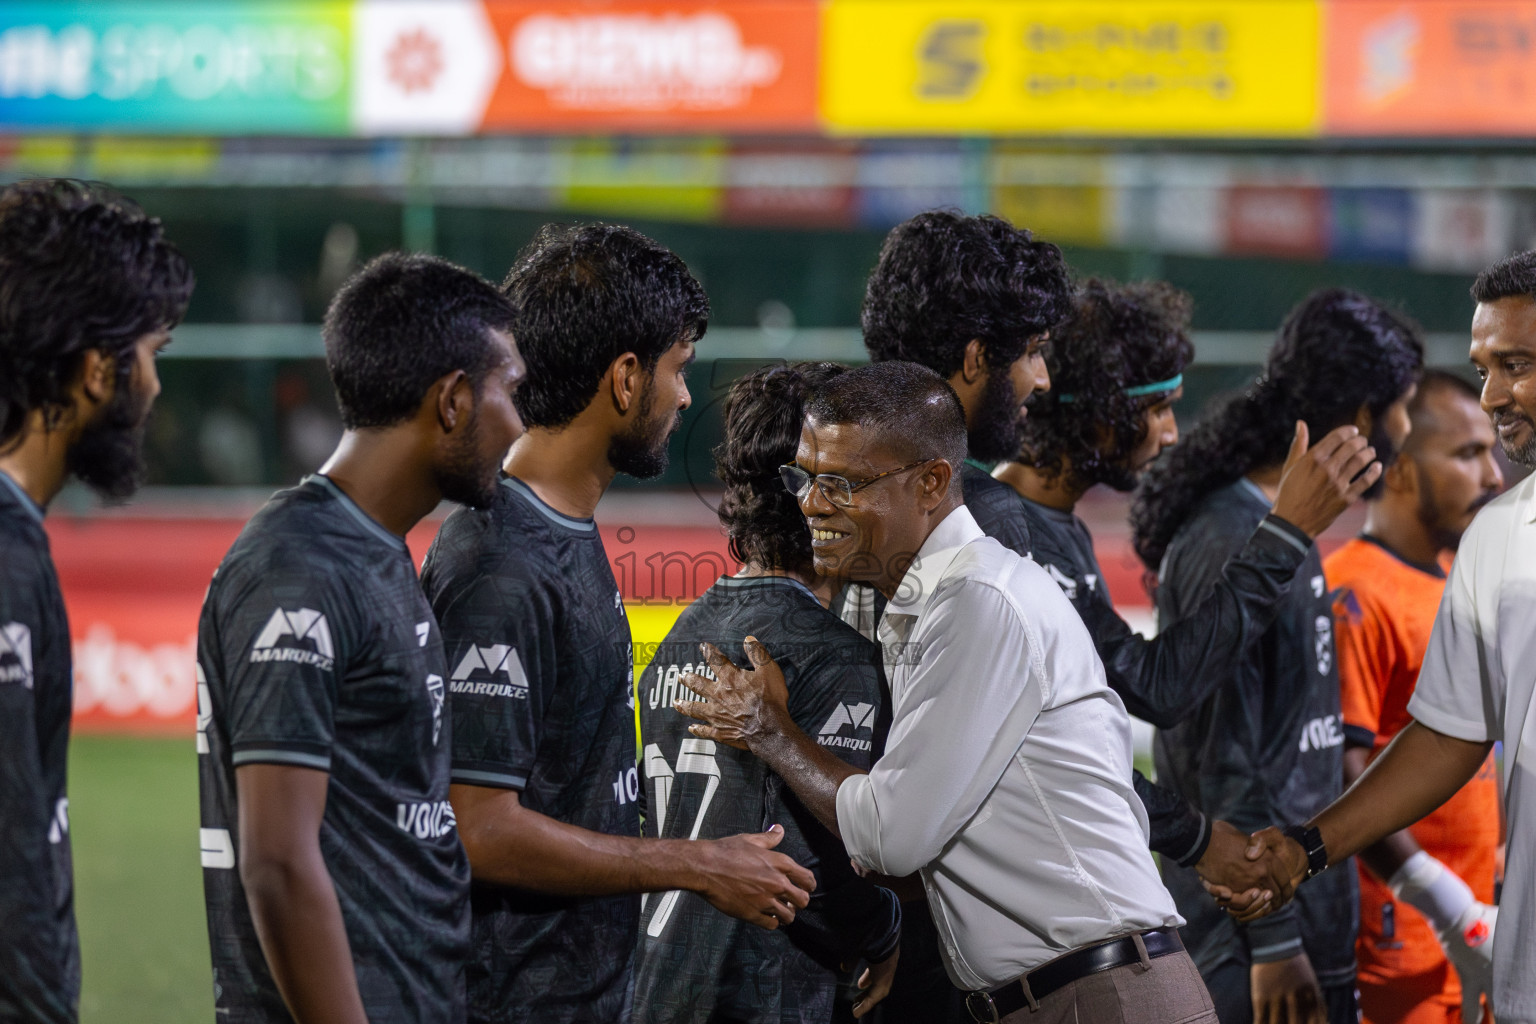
column 139, row 890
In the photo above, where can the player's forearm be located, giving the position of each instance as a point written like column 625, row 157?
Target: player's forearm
column 813, row 772
column 1163, row 680
column 1384, row 858
column 510, row 845
column 1420, row 770
column 298, row 921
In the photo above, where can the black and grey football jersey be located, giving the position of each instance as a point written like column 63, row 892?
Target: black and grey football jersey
column 317, row 649
column 1267, row 747
column 39, row 950
column 541, row 695
column 995, row 507
column 696, row 964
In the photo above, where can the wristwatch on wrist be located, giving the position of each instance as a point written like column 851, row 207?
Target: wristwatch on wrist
column 1311, row 842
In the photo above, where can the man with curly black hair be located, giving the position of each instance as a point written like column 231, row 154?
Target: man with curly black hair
column 695, row 964
column 546, row 788
column 89, row 292
column 1118, row 363
column 974, row 299
column 1267, row 744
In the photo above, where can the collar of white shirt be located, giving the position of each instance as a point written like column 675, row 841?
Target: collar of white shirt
column 922, row 577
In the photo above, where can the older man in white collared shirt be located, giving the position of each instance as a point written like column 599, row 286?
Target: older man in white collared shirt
column 1006, row 777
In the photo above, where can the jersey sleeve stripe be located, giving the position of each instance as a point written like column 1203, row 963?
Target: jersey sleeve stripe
column 1270, row 524
column 268, row 755
column 499, row 780
column 1359, row 735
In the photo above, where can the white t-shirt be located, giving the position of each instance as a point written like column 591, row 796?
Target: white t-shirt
column 1477, row 684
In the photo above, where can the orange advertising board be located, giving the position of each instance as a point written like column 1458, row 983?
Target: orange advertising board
column 742, row 65
column 1430, row 67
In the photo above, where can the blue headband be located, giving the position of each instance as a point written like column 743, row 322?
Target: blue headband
column 1171, row 384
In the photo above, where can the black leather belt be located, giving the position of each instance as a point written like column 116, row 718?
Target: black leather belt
column 991, row 1007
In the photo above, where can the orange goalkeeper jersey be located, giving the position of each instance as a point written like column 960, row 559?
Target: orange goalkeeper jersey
column 1384, row 609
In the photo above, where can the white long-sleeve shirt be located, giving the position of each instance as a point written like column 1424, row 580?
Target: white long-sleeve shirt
column 1006, row 779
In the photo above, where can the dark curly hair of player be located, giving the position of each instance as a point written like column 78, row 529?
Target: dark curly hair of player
column 585, row 295
column 81, row 268
column 763, row 416
column 1118, row 337
column 1337, row 351
column 944, row 278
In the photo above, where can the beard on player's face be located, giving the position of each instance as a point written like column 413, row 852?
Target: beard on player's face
column 109, row 455
column 466, row 475
column 1386, row 454
column 994, row 432
column 640, row 450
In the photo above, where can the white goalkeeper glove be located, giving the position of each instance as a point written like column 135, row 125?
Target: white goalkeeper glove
column 1463, row 925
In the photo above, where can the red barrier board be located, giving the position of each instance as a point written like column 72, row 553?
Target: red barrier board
column 134, row 589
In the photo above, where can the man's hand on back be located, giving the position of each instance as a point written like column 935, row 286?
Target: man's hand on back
column 741, row 705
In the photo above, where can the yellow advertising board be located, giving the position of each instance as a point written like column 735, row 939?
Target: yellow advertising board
column 1077, row 67
column 1058, row 196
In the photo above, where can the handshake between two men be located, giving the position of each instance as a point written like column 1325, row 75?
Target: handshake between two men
column 1252, row 876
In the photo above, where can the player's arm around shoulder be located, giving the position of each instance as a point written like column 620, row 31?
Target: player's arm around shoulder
column 499, row 695
column 511, row 844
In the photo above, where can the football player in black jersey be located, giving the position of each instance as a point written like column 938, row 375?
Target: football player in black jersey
column 695, row 964
column 541, row 686
column 974, row 299
column 1117, row 364
column 336, row 885
column 89, row 292
column 1267, row 745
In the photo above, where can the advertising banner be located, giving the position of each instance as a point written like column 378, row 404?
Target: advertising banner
column 232, row 67
column 1461, row 230
column 1430, row 67
column 407, row 67
column 744, row 64
column 1080, row 67
column 1371, row 225
column 1277, row 220
column 783, row 186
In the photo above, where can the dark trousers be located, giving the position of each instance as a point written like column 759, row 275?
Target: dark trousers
column 1234, row 1003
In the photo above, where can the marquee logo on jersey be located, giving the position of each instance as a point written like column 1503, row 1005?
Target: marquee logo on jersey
column 854, row 717
column 16, row 654
column 435, row 694
column 1324, row 644
column 301, row 636
column 490, row 671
